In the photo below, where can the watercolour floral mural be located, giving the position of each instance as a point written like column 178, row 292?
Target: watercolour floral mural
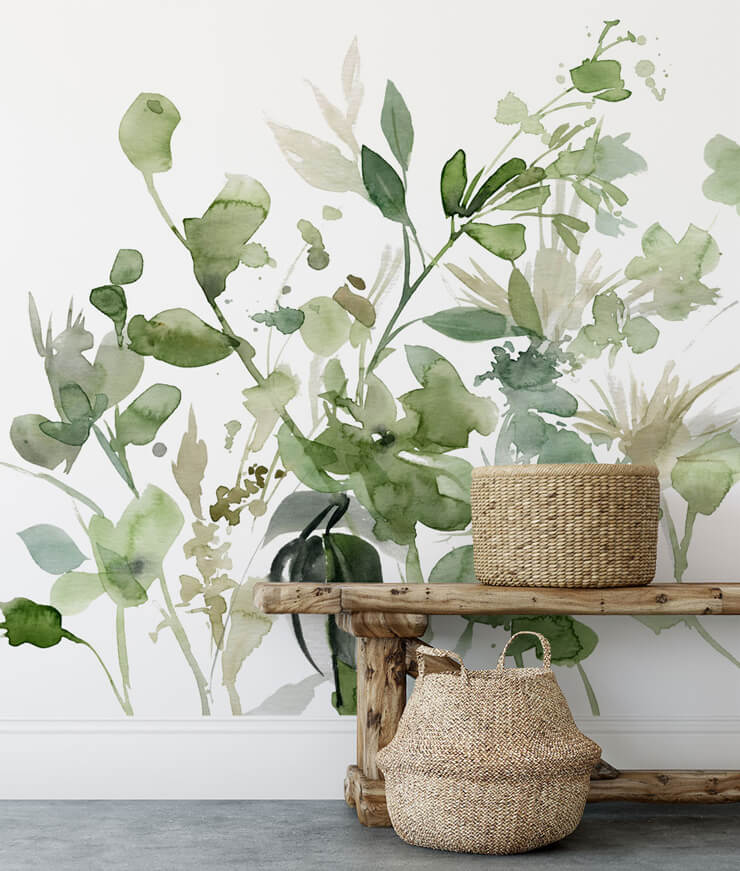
column 337, row 472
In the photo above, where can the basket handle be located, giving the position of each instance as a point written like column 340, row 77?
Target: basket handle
column 421, row 652
column 546, row 659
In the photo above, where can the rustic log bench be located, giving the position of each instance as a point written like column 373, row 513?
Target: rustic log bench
column 387, row 620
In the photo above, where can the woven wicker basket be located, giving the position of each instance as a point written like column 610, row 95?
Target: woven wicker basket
column 487, row 761
column 565, row 525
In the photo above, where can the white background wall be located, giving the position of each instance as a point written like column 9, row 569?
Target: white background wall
column 71, row 200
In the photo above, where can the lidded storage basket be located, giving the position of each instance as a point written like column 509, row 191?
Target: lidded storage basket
column 487, row 761
column 565, row 524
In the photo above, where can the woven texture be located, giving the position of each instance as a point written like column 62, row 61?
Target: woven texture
column 565, row 525
column 487, row 761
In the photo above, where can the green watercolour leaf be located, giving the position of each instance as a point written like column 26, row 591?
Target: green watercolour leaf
column 145, row 133
column 255, row 255
column 110, row 299
column 704, row 476
column 617, row 194
column 118, row 580
column 468, row 324
column 570, row 640
column 573, row 223
column 503, row 240
column 142, row 537
column 564, row 446
column 189, row 468
column 615, row 160
column 640, row 334
column 307, row 460
column 178, row 337
column 127, row 267
column 587, row 195
column 384, row 187
column 285, row 320
column 420, row 359
column 140, row 422
column 329, row 213
column 443, row 389
column 334, row 378
column 567, row 236
column 670, row 273
column 51, row 548
column 613, row 95
column 73, row 592
column 346, row 680
column 453, row 182
column 455, row 567
column 37, row 447
column 522, row 304
column 74, row 434
column 266, row 401
column 534, row 198
column 75, row 402
column 722, row 155
column 597, row 75
column 118, row 369
column 505, row 173
column 325, row 327
column 26, row 622
column 511, row 110
column 395, row 122
column 216, row 240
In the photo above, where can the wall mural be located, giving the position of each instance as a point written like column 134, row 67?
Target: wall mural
column 375, row 467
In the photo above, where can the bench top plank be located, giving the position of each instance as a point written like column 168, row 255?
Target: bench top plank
column 306, row 598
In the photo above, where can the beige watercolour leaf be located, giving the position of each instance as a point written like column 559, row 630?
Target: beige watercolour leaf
column 351, row 84
column 318, row 162
column 190, row 466
column 266, row 401
column 247, row 628
column 338, row 122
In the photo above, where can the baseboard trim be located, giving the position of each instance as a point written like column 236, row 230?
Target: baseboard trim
column 279, row 757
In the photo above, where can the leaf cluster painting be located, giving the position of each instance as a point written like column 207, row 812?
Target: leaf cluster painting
column 357, row 433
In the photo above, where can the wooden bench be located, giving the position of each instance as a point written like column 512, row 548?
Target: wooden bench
column 387, row 620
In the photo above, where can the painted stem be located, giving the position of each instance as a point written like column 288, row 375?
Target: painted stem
column 149, row 179
column 123, row 702
column 182, row 639
column 50, row 479
column 122, row 650
column 590, row 694
column 693, row 623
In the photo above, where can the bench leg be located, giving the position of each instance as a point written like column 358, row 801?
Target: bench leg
column 381, row 698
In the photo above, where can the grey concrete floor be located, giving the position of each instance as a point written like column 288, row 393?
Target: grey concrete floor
column 308, row 835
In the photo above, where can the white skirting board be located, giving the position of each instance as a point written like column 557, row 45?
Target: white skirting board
column 277, row 757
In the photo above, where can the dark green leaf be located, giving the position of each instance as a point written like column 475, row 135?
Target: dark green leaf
column 468, row 324
column 127, row 267
column 110, row 299
column 178, row 337
column 564, row 446
column 498, row 179
column 344, row 699
column 452, row 183
column 351, row 559
column 503, row 240
column 455, row 567
column 75, row 403
column 395, row 122
column 73, row 434
column 383, row 186
column 285, row 320
column 570, row 640
column 522, row 304
column 29, row 623
column 140, row 422
column 51, row 548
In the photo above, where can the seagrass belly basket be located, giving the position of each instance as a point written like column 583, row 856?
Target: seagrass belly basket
column 565, row 524
column 487, row 761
